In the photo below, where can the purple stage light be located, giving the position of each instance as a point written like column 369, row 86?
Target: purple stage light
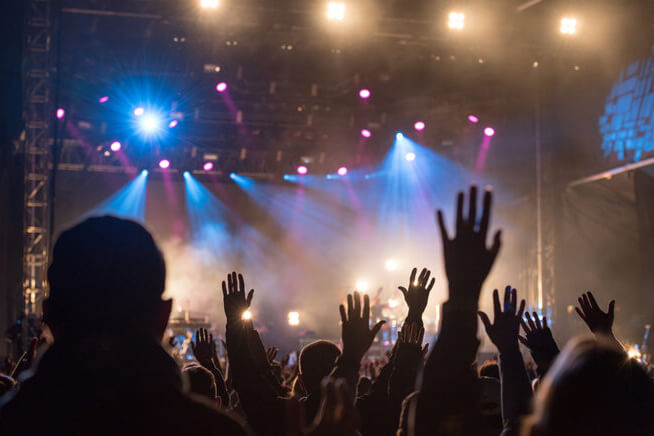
column 60, row 113
column 302, row 170
column 364, row 93
column 173, row 123
column 473, row 119
column 342, row 171
column 139, row 111
column 221, row 87
column 419, row 126
column 115, row 146
column 489, row 131
column 164, row 163
column 103, row 99
column 366, row 133
column 208, row 166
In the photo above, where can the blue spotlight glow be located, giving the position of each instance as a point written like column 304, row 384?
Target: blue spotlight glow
column 399, row 136
column 232, row 176
column 150, row 123
column 129, row 202
column 186, row 174
column 243, row 182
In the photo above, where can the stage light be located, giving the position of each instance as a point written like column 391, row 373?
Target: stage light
column 232, row 176
column 473, row 119
column 419, row 126
column 489, row 131
column 302, row 170
column 456, row 20
column 164, row 163
column 144, row 172
column 399, row 136
column 335, row 11
column 173, row 123
column 208, row 166
column 209, row 4
column 60, row 113
column 393, row 303
column 150, row 123
column 568, row 26
column 115, row 146
column 410, row 156
column 390, row 264
column 221, row 87
column 186, row 174
column 364, row 93
column 139, row 111
column 366, row 133
column 103, row 99
column 634, row 352
column 361, row 286
column 293, row 318
column 342, row 171
column 247, row 315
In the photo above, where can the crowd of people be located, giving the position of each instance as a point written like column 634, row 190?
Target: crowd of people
column 106, row 372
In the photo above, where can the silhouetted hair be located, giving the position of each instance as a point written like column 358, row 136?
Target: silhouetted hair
column 593, row 388
column 489, row 368
column 201, row 381
column 316, row 361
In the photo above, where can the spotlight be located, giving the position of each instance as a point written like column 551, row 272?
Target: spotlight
column 60, row 113
column 186, row 174
column 410, row 156
column 232, row 176
column 173, row 123
column 164, row 163
column 399, row 136
column 139, row 111
column 366, row 133
column 568, row 26
column 361, row 286
column 103, row 99
column 221, row 87
column 342, row 171
column 150, row 123
column 246, row 315
column 293, row 318
column 208, row 166
column 115, row 146
column 335, row 11
column 419, row 126
column 390, row 264
column 473, row 119
column 144, row 172
column 489, row 131
column 456, row 20
column 209, row 4
column 364, row 93
column 302, row 170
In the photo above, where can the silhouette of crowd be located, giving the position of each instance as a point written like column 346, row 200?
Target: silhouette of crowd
column 106, row 372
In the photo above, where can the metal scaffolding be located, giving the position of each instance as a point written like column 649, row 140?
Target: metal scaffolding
column 38, row 116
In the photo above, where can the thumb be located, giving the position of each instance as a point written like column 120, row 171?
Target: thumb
column 250, row 295
column 403, row 290
column 484, row 320
column 376, row 328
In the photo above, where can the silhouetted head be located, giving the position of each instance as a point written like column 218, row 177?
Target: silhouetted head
column 106, row 279
column 593, row 388
column 317, row 360
column 363, row 387
column 201, row 381
column 489, row 368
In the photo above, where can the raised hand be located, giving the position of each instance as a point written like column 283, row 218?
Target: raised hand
column 271, row 353
column 234, row 299
column 467, row 258
column 598, row 322
column 417, row 294
column 356, row 332
column 506, row 324
column 411, row 333
column 538, row 338
column 204, row 348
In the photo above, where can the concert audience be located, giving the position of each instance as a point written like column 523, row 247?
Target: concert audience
column 112, row 376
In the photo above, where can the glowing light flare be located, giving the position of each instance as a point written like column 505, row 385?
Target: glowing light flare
column 139, row 111
column 473, row 119
column 489, row 131
column 60, row 113
column 208, row 166
column 393, row 303
column 364, row 93
column 150, row 123
column 221, row 87
column 302, row 170
column 390, row 264
column 634, row 352
column 115, row 146
column 293, row 318
column 399, row 136
column 456, row 20
column 103, row 99
column 342, row 171
column 209, row 4
column 568, row 25
column 247, row 315
column 366, row 133
column 419, row 126
column 410, row 156
column 173, row 124
column 164, row 164
column 335, row 11
column 361, row 286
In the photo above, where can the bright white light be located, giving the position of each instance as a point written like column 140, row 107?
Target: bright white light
column 410, row 156
column 393, row 303
column 336, row 11
column 390, row 264
column 150, row 123
column 246, row 315
column 293, row 318
column 456, row 20
column 568, row 26
column 361, row 286
column 634, row 352
column 139, row 111
column 209, row 4
column 399, row 136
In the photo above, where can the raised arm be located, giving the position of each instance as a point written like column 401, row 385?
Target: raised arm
column 204, row 350
column 598, row 321
column 416, row 295
column 538, row 338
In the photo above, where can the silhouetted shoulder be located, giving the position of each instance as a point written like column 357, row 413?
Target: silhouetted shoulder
column 205, row 419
